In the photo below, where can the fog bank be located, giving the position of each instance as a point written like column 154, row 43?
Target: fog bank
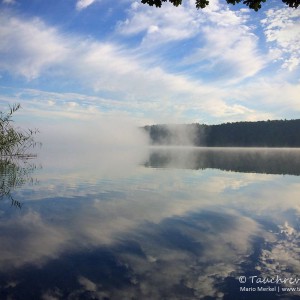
column 108, row 144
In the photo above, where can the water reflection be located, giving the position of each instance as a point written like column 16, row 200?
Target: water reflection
column 253, row 160
column 157, row 233
column 14, row 173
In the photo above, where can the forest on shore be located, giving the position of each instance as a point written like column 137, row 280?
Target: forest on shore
column 271, row 133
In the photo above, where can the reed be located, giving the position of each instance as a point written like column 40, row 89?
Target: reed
column 14, row 141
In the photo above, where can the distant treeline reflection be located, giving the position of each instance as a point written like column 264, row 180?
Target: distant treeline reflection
column 267, row 161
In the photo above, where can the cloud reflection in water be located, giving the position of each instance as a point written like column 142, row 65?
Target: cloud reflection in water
column 154, row 233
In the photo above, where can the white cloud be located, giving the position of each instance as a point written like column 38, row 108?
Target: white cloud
column 130, row 78
column 82, row 4
column 28, row 47
column 271, row 95
column 282, row 31
column 160, row 25
column 230, row 47
column 223, row 42
column 230, row 52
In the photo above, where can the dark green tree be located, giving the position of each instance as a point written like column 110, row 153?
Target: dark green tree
column 253, row 4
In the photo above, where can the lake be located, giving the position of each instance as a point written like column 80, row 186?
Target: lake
column 151, row 223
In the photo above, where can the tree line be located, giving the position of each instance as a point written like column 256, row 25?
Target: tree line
column 275, row 133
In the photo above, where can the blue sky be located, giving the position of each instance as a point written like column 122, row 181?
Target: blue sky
column 88, row 59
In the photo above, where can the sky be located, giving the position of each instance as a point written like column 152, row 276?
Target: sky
column 76, row 60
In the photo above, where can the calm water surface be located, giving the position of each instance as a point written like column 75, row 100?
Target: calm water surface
column 164, row 224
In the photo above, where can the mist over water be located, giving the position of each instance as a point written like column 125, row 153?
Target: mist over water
column 175, row 134
column 109, row 145
column 180, row 135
